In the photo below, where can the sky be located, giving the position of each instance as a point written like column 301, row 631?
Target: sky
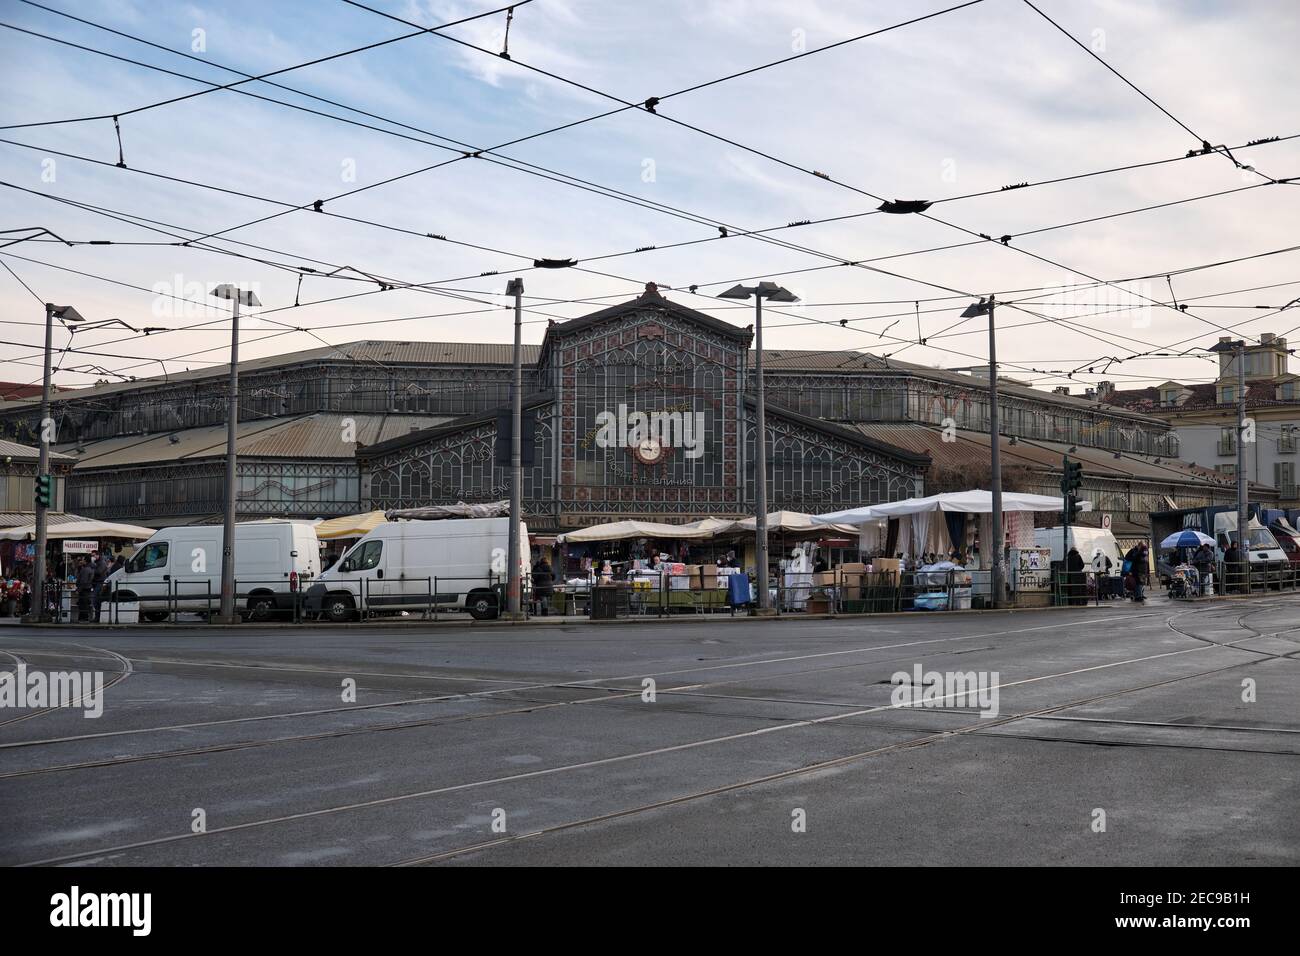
column 967, row 101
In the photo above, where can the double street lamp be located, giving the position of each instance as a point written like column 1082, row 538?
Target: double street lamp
column 998, row 592
column 64, row 313
column 773, row 293
column 236, row 297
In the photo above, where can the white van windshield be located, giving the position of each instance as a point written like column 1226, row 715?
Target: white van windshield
column 363, row 557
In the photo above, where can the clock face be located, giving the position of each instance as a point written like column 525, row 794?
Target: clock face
column 648, row 451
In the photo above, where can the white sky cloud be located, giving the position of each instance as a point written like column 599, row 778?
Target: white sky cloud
column 972, row 100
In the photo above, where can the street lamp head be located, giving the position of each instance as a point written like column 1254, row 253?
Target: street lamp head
column 515, row 287
column 736, row 292
column 64, row 313
column 764, row 290
column 982, row 307
column 233, row 292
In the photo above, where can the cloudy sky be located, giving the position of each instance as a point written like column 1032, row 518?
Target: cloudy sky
column 965, row 102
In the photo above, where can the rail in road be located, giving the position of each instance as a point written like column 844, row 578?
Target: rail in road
column 1180, row 620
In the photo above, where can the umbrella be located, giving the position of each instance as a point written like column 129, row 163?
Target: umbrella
column 1187, row 538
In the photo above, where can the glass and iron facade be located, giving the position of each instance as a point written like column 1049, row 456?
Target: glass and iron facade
column 642, row 410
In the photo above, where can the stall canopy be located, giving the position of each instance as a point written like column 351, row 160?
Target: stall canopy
column 490, row 509
column 620, row 530
column 80, row 529
column 349, row 526
column 968, row 502
column 795, row 522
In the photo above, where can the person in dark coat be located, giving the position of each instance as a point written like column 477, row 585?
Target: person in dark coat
column 99, row 564
column 85, row 588
column 1139, row 567
column 1234, row 571
column 1076, row 588
column 543, row 586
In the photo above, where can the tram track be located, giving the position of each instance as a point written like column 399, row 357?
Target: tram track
column 926, row 738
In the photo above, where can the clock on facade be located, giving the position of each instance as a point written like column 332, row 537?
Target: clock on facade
column 648, row 451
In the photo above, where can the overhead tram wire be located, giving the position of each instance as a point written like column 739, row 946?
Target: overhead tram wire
column 289, row 69
column 751, row 70
column 517, row 164
column 904, row 277
column 761, row 153
column 503, row 252
column 1204, row 142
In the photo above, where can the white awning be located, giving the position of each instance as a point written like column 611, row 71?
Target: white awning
column 79, row 529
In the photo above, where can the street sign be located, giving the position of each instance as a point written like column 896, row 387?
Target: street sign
column 1105, row 521
column 71, row 546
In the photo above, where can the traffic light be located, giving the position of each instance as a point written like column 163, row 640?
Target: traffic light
column 45, row 491
column 1071, row 509
column 1071, row 477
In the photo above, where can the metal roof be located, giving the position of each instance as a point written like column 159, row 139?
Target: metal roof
column 309, row 436
column 20, row 519
column 972, row 449
column 11, row 449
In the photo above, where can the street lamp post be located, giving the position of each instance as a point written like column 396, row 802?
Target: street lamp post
column 514, row 586
column 237, row 297
column 985, row 307
column 774, row 293
column 64, row 313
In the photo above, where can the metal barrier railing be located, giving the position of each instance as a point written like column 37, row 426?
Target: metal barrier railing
column 430, row 595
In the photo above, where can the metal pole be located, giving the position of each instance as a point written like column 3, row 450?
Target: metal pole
column 37, row 612
column 995, row 464
column 1243, row 531
column 232, row 428
column 1065, row 530
column 760, row 466
column 513, row 585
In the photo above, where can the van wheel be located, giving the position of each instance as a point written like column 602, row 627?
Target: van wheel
column 338, row 608
column 155, row 616
column 482, row 605
column 261, row 607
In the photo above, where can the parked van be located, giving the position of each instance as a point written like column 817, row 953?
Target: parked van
column 1265, row 552
column 1088, row 541
column 180, row 568
column 450, row 564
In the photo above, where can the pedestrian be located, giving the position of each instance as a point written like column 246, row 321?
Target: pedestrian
column 119, row 560
column 1075, row 587
column 85, row 586
column 1203, row 561
column 1139, row 567
column 1101, row 565
column 1234, row 572
column 102, row 568
column 543, row 586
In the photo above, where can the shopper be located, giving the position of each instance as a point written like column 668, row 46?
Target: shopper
column 85, row 587
column 543, row 586
column 1140, row 569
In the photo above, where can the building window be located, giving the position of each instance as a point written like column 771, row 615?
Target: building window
column 1286, row 441
column 1171, row 396
column 1227, row 395
column 1284, row 478
column 1227, row 469
column 1228, row 440
column 1286, row 391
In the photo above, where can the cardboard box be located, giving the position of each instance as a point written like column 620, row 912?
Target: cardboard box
column 708, row 575
column 890, row 566
column 825, row 579
column 850, row 579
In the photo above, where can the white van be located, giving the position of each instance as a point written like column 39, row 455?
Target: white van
column 180, row 568
column 453, row 563
column 1265, row 552
column 1088, row 541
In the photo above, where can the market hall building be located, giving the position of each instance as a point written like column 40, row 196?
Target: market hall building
column 642, row 410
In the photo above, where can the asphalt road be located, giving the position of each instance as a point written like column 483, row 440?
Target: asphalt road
column 1121, row 736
